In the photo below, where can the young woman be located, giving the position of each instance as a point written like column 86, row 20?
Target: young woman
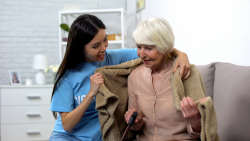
column 76, row 86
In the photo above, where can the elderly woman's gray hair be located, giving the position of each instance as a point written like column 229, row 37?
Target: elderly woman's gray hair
column 157, row 32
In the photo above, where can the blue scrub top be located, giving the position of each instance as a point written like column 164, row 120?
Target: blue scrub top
column 75, row 85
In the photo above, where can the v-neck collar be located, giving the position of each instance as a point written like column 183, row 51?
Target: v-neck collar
column 149, row 70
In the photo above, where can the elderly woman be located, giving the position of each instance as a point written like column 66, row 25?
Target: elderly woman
column 150, row 92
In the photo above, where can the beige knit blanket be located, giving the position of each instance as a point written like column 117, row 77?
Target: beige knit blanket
column 112, row 100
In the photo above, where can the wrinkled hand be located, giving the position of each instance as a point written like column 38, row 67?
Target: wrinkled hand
column 95, row 81
column 130, row 112
column 183, row 62
column 191, row 112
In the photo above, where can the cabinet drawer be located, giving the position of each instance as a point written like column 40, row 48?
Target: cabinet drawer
column 17, row 132
column 26, row 96
column 26, row 114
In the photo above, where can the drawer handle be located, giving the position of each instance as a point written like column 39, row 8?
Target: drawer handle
column 33, row 96
column 33, row 114
column 33, row 132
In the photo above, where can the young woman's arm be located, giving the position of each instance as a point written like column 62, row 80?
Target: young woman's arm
column 118, row 56
column 71, row 119
column 182, row 62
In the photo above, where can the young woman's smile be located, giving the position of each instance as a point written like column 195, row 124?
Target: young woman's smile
column 101, row 56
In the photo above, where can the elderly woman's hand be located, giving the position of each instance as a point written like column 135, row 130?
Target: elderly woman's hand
column 130, row 112
column 191, row 113
column 183, row 63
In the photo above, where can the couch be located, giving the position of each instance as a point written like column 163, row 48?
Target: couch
column 229, row 87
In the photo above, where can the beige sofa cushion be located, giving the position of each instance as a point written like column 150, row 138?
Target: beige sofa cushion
column 207, row 73
column 232, row 101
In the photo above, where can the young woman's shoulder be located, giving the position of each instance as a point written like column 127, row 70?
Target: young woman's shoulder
column 117, row 56
column 65, row 76
column 122, row 51
column 68, row 75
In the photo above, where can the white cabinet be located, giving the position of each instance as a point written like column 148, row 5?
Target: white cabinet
column 114, row 20
column 25, row 113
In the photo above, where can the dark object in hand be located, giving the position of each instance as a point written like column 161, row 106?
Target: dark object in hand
column 130, row 122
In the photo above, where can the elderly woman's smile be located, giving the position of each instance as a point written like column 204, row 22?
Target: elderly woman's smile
column 146, row 61
column 151, row 57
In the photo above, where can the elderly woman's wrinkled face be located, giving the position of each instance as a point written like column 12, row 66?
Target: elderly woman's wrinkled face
column 150, row 56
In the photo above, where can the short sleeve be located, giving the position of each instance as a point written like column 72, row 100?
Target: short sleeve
column 63, row 98
column 118, row 56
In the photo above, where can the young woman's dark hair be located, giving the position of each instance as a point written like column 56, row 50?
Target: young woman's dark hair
column 82, row 31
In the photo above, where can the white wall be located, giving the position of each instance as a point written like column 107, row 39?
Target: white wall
column 29, row 27
column 132, row 22
column 208, row 31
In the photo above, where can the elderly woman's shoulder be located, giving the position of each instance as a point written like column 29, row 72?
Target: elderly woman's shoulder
column 138, row 71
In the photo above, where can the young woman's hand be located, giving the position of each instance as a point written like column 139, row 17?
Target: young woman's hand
column 129, row 113
column 191, row 113
column 95, row 81
column 183, row 63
